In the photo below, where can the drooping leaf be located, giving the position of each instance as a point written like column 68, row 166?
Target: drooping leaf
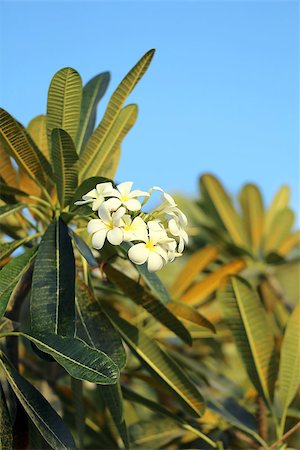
column 11, row 274
column 244, row 313
column 92, row 93
column 203, row 288
column 64, row 161
column 190, row 314
column 98, row 329
column 112, row 112
column 281, row 227
column 158, row 362
column 37, row 128
column 101, row 150
column 52, row 304
column 150, row 278
column 141, row 297
column 10, row 209
column 79, row 359
column 6, row 435
column 83, row 248
column 83, row 188
column 194, row 266
column 253, row 213
column 7, row 171
column 224, row 208
column 289, row 367
column 21, row 147
column 64, row 100
column 45, row 418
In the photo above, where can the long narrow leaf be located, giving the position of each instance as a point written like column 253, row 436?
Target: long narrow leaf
column 253, row 213
column 37, row 128
column 52, row 304
column 112, row 111
column 6, row 432
column 92, row 93
column 7, row 171
column 160, row 363
column 64, row 100
column 48, row 422
column 10, row 209
column 64, row 161
column 9, row 247
column 244, row 313
column 281, row 227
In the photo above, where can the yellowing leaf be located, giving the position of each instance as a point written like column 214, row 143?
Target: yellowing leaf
column 37, row 128
column 253, row 213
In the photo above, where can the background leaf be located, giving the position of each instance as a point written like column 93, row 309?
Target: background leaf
column 253, row 214
column 6, row 436
column 37, row 128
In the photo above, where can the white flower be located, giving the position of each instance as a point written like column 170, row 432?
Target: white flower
column 151, row 250
column 108, row 226
column 135, row 229
column 97, row 195
column 177, row 230
column 171, row 250
column 123, row 196
column 169, row 207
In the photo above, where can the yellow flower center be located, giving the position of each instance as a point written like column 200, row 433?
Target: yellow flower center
column 150, row 246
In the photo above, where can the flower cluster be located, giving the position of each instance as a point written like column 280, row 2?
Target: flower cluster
column 157, row 238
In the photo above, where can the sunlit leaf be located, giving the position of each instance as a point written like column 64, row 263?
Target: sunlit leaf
column 9, row 247
column 92, row 93
column 112, row 112
column 281, row 227
column 65, row 167
column 64, row 100
column 253, row 213
column 7, row 171
column 10, row 209
column 290, row 242
column 52, row 304
column 37, row 128
column 194, row 266
column 190, row 314
column 244, row 313
column 45, row 418
column 279, row 202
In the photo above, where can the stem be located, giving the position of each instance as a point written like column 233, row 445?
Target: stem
column 43, row 202
column 285, row 436
column 48, row 198
column 37, row 212
column 201, row 435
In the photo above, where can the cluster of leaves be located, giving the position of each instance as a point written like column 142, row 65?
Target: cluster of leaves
column 96, row 352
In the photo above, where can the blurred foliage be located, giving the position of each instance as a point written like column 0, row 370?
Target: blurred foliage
column 96, row 354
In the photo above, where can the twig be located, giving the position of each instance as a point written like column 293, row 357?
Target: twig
column 285, row 436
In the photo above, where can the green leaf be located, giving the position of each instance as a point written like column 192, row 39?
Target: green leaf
column 79, row 359
column 281, row 227
column 187, row 312
column 83, row 188
column 6, row 433
column 11, row 191
column 83, row 248
column 244, row 313
column 11, row 275
column 64, row 100
column 161, row 364
column 21, row 147
column 52, row 304
column 112, row 112
column 113, row 398
column 103, row 148
column 279, row 202
column 289, row 367
column 222, row 204
column 141, row 297
column 111, row 162
column 150, row 278
column 99, row 332
column 92, row 93
column 48, row 422
column 37, row 128
column 64, row 161
column 253, row 214
column 10, row 209
column 79, row 409
column 9, row 247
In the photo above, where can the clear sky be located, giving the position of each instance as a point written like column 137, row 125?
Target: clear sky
column 221, row 94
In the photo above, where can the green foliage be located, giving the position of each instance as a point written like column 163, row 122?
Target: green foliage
column 108, row 344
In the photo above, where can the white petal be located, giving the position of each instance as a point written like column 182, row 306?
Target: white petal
column 125, row 187
column 133, row 204
column 118, row 214
column 155, row 262
column 83, row 202
column 138, row 193
column 95, row 225
column 99, row 238
column 91, row 194
column 113, row 203
column 104, row 213
column 181, row 245
column 138, row 254
column 115, row 236
column 161, row 252
column 98, row 202
column 104, row 188
column 173, row 227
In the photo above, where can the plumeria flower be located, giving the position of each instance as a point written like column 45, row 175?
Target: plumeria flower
column 97, row 195
column 134, row 230
column 151, row 250
column 177, row 230
column 171, row 247
column 123, row 195
column 169, row 207
column 109, row 225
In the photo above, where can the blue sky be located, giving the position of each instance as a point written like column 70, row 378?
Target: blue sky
column 221, row 94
